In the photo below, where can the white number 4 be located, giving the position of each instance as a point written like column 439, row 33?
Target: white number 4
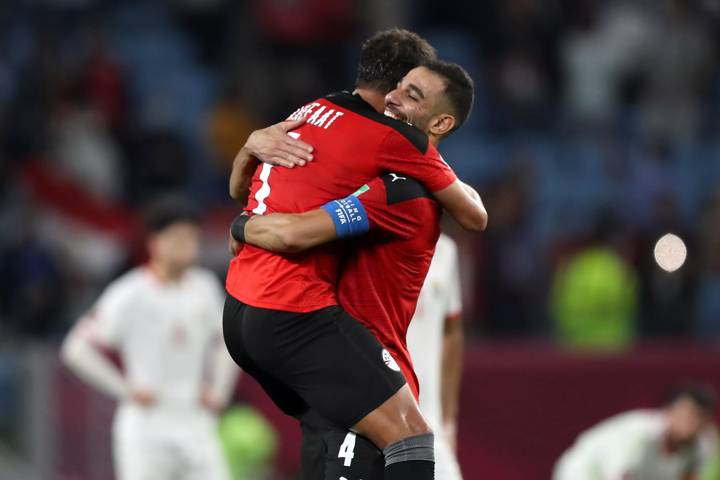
column 347, row 448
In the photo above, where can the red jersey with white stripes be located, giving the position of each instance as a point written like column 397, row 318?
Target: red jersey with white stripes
column 353, row 144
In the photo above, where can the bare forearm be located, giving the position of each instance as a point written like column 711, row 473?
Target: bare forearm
column 224, row 376
column 243, row 169
column 287, row 233
column 464, row 204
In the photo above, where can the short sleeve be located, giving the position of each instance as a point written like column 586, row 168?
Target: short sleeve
column 108, row 318
column 395, row 204
column 397, row 154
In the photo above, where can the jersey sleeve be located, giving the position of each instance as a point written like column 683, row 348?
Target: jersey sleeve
column 396, row 205
column 453, row 306
column 399, row 155
column 110, row 315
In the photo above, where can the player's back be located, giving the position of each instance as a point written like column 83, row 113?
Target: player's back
column 381, row 281
column 352, row 144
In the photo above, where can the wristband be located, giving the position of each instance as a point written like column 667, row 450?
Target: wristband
column 348, row 215
column 237, row 228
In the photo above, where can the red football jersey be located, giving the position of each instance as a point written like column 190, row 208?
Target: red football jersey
column 353, row 144
column 381, row 279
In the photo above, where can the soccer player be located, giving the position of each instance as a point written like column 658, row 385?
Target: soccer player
column 381, row 281
column 164, row 320
column 435, row 341
column 281, row 321
column 667, row 444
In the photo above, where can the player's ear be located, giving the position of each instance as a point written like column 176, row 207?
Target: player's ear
column 442, row 124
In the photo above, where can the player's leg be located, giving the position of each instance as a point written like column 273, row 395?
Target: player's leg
column 331, row 453
column 201, row 449
column 446, row 465
column 407, row 443
column 137, row 453
column 336, row 365
column 313, row 447
column 285, row 398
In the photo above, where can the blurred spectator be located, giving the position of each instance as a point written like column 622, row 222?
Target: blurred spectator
column 594, row 297
column 104, row 83
column 511, row 265
column 645, row 180
column 519, row 45
column 677, row 74
column 600, row 52
column 158, row 162
column 32, row 288
column 229, row 125
column 85, row 151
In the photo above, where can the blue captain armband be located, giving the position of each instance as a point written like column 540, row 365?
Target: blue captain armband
column 348, row 215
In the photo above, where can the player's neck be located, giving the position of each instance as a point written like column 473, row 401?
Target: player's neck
column 373, row 97
column 165, row 273
column 434, row 139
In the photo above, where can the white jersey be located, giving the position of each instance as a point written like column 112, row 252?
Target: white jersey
column 163, row 331
column 440, row 299
column 629, row 445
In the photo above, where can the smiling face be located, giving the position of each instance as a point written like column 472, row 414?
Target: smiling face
column 420, row 101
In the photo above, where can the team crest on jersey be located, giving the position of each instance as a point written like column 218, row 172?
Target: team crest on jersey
column 390, row 361
column 361, row 190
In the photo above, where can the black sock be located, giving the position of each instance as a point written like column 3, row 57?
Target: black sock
column 410, row 470
column 411, row 459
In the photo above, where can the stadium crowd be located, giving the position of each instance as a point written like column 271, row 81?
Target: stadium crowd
column 594, row 132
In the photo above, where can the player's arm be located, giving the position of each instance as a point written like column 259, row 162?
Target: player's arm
column 464, row 205
column 452, row 366
column 285, row 232
column 453, row 346
column 271, row 145
column 218, row 389
column 460, row 200
column 81, row 354
column 343, row 218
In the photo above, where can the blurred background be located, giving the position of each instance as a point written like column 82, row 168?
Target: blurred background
column 595, row 132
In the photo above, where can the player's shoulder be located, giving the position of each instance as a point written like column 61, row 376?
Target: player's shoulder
column 635, row 422
column 401, row 188
column 127, row 285
column 396, row 129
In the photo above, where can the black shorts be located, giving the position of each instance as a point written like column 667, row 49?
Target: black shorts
column 329, row 452
column 323, row 360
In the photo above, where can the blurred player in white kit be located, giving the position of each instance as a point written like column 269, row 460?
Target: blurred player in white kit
column 667, row 444
column 435, row 341
column 164, row 320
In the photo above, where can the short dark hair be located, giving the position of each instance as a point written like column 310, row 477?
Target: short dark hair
column 701, row 395
column 459, row 88
column 387, row 56
column 167, row 210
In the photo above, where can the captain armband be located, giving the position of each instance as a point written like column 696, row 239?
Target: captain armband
column 348, row 215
